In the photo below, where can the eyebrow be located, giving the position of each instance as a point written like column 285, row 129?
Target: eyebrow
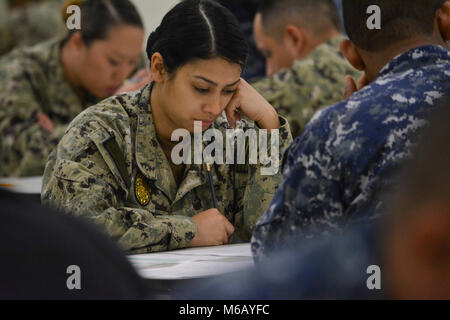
column 215, row 84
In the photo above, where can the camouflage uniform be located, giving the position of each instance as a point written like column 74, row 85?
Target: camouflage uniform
column 32, row 81
column 31, row 25
column 110, row 168
column 310, row 84
column 334, row 170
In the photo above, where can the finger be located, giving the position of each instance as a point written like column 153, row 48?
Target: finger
column 231, row 109
column 350, row 87
column 225, row 239
column 229, row 228
column 362, row 82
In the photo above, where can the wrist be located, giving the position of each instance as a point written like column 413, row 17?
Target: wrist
column 269, row 119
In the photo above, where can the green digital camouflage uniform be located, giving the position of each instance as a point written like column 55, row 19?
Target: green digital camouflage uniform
column 309, row 85
column 110, row 168
column 31, row 82
column 31, row 25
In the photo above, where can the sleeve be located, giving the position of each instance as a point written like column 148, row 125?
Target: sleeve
column 308, row 202
column 78, row 179
column 25, row 145
column 256, row 185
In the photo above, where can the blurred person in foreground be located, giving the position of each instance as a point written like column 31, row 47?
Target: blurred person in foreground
column 408, row 250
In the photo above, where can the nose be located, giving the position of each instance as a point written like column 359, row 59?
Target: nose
column 121, row 73
column 213, row 107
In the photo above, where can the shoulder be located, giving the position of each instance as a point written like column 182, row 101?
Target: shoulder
column 28, row 62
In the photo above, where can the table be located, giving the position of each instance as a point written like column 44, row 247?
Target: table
column 27, row 189
column 28, row 185
column 165, row 272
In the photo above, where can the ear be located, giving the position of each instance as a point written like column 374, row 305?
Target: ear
column 294, row 38
column 158, row 68
column 443, row 20
column 351, row 53
column 77, row 43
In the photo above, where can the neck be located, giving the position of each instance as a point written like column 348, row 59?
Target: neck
column 69, row 70
column 163, row 126
column 315, row 41
column 376, row 61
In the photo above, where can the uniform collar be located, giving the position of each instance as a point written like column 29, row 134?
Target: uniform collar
column 416, row 58
column 151, row 159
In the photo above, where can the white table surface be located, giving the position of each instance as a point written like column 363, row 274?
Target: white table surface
column 28, row 185
column 193, row 263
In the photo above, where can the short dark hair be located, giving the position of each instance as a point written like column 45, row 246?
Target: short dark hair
column 315, row 15
column 198, row 29
column 400, row 20
column 99, row 16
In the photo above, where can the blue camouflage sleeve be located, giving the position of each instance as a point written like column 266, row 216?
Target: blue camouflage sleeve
column 309, row 201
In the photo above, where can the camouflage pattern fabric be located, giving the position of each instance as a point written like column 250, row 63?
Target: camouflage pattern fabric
column 31, row 25
column 309, row 85
column 333, row 170
column 136, row 199
column 32, row 81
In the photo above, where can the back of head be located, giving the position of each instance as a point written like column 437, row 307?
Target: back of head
column 313, row 15
column 400, row 20
column 99, row 16
column 198, row 29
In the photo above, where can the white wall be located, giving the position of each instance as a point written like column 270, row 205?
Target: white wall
column 152, row 12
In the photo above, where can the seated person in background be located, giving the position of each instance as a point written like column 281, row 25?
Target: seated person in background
column 411, row 245
column 333, row 170
column 115, row 164
column 42, row 88
column 300, row 40
column 40, row 245
column 26, row 23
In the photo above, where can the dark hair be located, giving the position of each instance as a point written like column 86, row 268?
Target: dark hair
column 400, row 20
column 99, row 16
column 198, row 29
column 315, row 15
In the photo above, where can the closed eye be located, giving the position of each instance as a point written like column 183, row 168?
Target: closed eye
column 202, row 90
column 230, row 92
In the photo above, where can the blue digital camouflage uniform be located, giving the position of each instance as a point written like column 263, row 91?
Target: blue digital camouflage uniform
column 333, row 170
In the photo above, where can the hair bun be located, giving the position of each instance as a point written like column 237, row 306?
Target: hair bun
column 153, row 38
column 66, row 5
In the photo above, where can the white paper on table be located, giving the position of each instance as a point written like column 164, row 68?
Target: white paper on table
column 28, row 185
column 196, row 269
column 193, row 262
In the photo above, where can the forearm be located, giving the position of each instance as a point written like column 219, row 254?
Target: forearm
column 135, row 229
